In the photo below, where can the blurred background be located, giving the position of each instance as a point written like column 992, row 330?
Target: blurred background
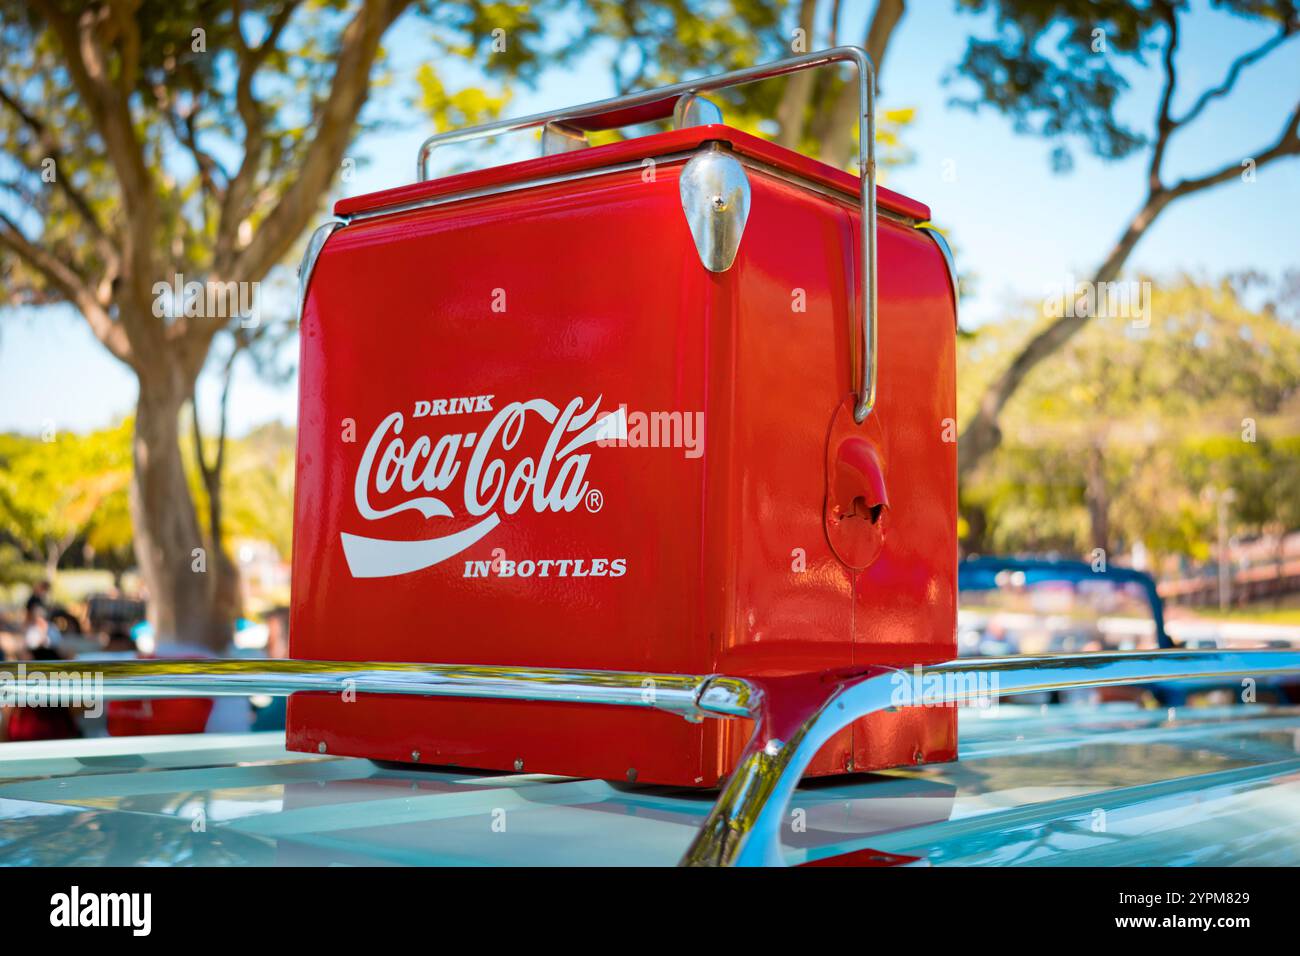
column 1120, row 183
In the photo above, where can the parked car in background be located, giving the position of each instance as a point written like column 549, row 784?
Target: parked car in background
column 1010, row 606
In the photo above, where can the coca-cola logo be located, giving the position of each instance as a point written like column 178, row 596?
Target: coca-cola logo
column 494, row 480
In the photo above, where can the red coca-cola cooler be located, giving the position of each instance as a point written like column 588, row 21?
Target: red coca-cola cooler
column 654, row 406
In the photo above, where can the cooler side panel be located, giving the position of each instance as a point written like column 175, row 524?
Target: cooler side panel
column 791, row 599
column 906, row 602
column 815, row 613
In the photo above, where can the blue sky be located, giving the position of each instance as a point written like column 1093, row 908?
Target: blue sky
column 1018, row 227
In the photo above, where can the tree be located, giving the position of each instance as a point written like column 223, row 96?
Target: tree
column 159, row 138
column 1049, row 68
column 1117, row 441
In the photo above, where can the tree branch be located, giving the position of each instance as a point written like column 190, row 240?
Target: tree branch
column 107, row 101
column 834, row 38
column 1287, row 144
column 46, row 141
column 793, row 107
column 1234, row 71
column 348, row 91
column 235, row 201
column 200, row 458
column 203, row 160
column 981, row 434
column 1165, row 124
column 71, row 284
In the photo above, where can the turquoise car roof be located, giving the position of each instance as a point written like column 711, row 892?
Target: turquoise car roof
column 1050, row 785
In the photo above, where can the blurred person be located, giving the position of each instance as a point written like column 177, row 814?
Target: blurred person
column 277, row 632
column 38, row 632
column 176, row 715
column 40, row 596
column 39, row 722
column 119, row 641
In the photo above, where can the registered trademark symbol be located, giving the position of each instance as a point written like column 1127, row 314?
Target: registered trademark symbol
column 595, row 501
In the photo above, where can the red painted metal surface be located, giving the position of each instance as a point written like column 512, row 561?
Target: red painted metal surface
column 178, row 715
column 864, row 858
column 454, row 361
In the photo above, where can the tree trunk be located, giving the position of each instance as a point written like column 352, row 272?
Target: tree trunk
column 836, row 127
column 977, row 521
column 227, row 604
column 168, row 545
column 52, row 555
column 1097, row 496
column 798, row 87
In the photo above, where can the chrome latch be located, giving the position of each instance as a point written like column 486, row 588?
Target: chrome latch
column 715, row 198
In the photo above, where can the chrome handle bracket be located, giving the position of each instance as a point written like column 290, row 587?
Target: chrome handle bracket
column 670, row 98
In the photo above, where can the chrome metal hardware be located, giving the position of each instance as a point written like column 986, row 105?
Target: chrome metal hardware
column 558, row 138
column 690, row 695
column 715, row 198
column 691, row 110
column 659, row 103
column 948, row 259
column 308, row 265
column 744, row 826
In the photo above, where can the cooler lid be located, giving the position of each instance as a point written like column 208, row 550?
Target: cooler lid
column 631, row 151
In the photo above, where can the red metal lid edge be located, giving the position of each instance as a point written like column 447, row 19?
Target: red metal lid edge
column 658, row 144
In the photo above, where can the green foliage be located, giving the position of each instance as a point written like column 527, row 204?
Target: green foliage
column 1041, row 69
column 1055, row 67
column 187, row 112
column 74, row 490
column 259, row 487
column 71, row 488
column 17, row 569
column 1207, row 397
column 451, row 109
column 668, row 40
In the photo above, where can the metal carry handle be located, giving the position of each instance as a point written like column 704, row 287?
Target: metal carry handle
column 658, row 103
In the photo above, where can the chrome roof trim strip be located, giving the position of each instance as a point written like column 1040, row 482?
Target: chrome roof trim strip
column 693, row 696
column 744, row 826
